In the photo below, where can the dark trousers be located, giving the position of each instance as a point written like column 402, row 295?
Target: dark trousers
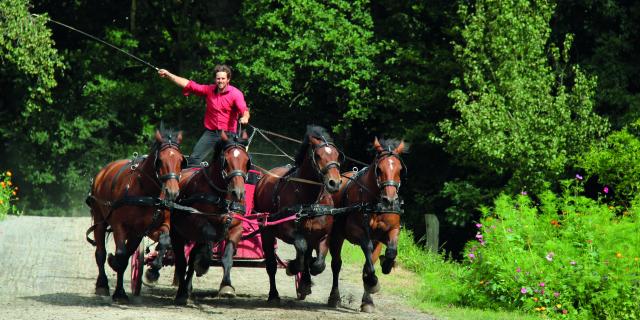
column 205, row 146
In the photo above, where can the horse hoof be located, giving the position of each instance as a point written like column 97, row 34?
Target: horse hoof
column 181, row 301
column 120, row 299
column 334, row 302
column 151, row 277
column 367, row 308
column 102, row 291
column 274, row 301
column 227, row 292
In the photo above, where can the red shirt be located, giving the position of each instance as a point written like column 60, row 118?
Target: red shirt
column 223, row 109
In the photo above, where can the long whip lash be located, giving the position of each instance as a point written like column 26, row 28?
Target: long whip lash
column 99, row 40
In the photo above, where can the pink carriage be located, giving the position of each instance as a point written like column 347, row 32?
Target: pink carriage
column 249, row 252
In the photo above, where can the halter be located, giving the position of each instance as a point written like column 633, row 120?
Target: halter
column 170, row 175
column 389, row 183
column 234, row 173
column 331, row 164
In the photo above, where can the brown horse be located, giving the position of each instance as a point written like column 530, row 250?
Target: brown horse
column 130, row 196
column 217, row 193
column 373, row 194
column 295, row 198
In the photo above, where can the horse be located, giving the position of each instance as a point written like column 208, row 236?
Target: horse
column 296, row 199
column 131, row 197
column 373, row 218
column 216, row 193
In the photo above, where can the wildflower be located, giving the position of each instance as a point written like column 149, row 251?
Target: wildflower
column 555, row 223
column 472, row 256
column 524, row 193
column 558, row 306
column 2, row 183
column 8, row 173
column 605, row 190
column 509, row 230
column 518, row 269
column 9, row 183
column 556, row 294
column 573, row 263
column 564, row 311
column 618, row 255
column 542, row 284
column 13, row 193
column 535, row 299
column 481, row 282
column 479, row 236
column 478, row 225
column 1, row 201
column 542, row 292
column 635, row 259
column 578, row 176
column 537, row 308
column 550, row 256
column 523, row 290
column 543, row 308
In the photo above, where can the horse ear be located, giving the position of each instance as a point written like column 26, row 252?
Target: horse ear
column 223, row 136
column 158, row 136
column 399, row 148
column 179, row 138
column 376, row 145
column 244, row 136
column 314, row 140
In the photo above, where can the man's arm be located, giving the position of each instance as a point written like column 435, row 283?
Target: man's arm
column 245, row 117
column 180, row 81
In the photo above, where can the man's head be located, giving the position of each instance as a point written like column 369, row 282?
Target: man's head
column 223, row 76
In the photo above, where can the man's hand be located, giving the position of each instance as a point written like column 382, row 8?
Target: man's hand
column 164, row 73
column 244, row 120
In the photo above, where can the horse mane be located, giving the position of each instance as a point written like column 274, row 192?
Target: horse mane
column 167, row 135
column 222, row 145
column 315, row 131
column 390, row 144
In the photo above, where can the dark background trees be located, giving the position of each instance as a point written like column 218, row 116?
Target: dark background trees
column 493, row 97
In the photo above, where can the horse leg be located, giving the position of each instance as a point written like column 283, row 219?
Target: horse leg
column 336, row 264
column 119, row 263
column 304, row 287
column 202, row 260
column 300, row 244
column 102, row 283
column 369, row 278
column 391, row 253
column 153, row 272
column 226, row 289
column 268, row 248
column 182, row 295
column 318, row 265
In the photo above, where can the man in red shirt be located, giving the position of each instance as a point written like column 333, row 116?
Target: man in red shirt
column 225, row 103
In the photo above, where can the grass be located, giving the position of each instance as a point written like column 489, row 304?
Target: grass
column 426, row 280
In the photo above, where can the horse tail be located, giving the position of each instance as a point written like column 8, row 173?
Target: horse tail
column 91, row 241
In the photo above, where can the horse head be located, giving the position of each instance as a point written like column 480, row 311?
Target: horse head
column 168, row 163
column 235, row 164
column 389, row 170
column 323, row 156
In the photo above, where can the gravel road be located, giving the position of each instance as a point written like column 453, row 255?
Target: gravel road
column 47, row 271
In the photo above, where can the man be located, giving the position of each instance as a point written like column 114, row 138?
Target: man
column 224, row 104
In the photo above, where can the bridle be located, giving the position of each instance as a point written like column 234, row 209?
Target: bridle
column 332, row 164
column 171, row 175
column 389, row 183
column 226, row 176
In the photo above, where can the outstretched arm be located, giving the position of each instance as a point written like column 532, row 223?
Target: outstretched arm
column 180, row 81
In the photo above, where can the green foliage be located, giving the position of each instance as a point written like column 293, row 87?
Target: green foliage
column 307, row 49
column 8, row 195
column 615, row 162
column 566, row 257
column 518, row 118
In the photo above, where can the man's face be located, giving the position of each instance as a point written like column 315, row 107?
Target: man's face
column 222, row 81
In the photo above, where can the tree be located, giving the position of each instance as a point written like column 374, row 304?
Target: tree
column 519, row 118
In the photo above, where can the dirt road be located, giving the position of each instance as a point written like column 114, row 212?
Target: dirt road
column 47, row 271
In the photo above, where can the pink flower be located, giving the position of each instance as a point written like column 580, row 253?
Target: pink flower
column 564, row 311
column 518, row 270
column 472, row 256
column 523, row 290
column 579, row 177
column 573, row 263
column 478, row 225
column 479, row 236
column 556, row 294
column 524, row 193
column 605, row 190
column 542, row 284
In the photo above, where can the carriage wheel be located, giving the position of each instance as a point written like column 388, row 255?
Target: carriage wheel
column 137, row 268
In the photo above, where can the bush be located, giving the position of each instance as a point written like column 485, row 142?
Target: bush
column 567, row 257
column 8, row 195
